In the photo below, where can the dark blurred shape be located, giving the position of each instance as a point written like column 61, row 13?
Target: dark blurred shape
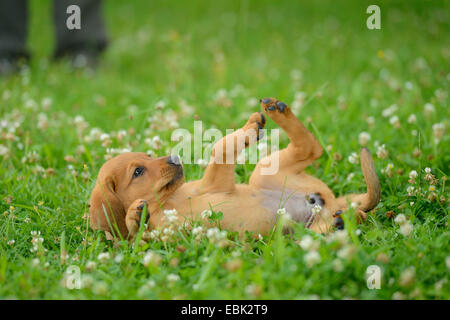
column 81, row 46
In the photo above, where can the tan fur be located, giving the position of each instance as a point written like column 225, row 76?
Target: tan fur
column 117, row 196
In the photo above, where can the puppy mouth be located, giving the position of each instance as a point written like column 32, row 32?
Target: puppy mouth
column 177, row 176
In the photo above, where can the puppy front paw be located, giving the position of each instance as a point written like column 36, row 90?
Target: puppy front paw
column 134, row 216
column 338, row 221
column 256, row 122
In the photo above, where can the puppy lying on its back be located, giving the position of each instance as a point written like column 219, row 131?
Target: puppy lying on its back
column 131, row 180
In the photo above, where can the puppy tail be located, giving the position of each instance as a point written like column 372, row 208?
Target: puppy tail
column 369, row 200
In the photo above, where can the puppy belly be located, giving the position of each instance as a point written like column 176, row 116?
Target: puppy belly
column 296, row 204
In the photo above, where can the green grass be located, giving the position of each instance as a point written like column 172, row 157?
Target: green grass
column 188, row 51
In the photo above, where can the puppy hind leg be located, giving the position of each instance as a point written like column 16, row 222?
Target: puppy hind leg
column 303, row 147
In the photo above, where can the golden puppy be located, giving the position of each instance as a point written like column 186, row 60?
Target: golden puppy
column 131, row 180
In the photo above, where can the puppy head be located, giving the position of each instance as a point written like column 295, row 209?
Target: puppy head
column 128, row 177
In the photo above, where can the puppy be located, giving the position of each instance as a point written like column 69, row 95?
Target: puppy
column 130, row 181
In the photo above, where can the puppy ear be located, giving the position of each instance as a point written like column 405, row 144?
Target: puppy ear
column 106, row 210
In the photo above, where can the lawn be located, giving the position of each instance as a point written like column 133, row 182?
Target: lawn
column 170, row 63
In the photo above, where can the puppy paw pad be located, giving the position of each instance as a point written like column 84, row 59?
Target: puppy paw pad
column 339, row 223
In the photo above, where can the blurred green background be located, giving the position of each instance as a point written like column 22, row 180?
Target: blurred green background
column 218, row 57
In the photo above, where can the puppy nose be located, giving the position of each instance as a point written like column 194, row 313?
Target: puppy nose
column 174, row 161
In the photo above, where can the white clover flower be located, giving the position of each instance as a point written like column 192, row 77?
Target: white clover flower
column 252, row 102
column 428, row 108
column 382, row 152
column 307, row 243
column 296, row 75
column 412, row 118
column 104, row 136
column 118, row 258
column 389, row 111
column 3, row 150
column 36, row 240
column 215, row 235
column 281, row 212
column 46, row 102
column 121, row 134
column 42, row 121
column 447, row 262
column 197, row 230
column 104, row 257
column 80, row 123
column 427, row 170
column 340, row 236
column 35, row 233
column 156, row 142
column 206, row 214
column 299, row 100
column 394, row 121
column 406, row 229
column 94, row 135
column 148, row 142
column 411, row 190
column 370, row 121
column 100, row 288
column 441, row 94
column 400, row 219
column 171, row 215
column 353, row 158
column 316, row 209
column 438, row 131
column 337, row 265
column 364, row 138
column 91, row 265
column 408, row 85
column 87, row 281
column 398, row 296
column 173, row 277
column 168, row 232
column 31, row 104
column 312, row 258
column 11, row 242
column 160, row 105
column 154, row 234
column 353, row 205
column 413, row 174
column 407, row 277
column 236, row 253
column 260, row 237
column 350, row 176
column 346, row 252
column 151, row 257
column 150, row 283
column 78, row 119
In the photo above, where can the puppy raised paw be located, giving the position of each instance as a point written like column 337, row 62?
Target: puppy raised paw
column 256, row 122
column 338, row 221
column 134, row 216
column 279, row 112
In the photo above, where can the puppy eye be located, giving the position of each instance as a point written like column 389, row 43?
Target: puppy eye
column 138, row 172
